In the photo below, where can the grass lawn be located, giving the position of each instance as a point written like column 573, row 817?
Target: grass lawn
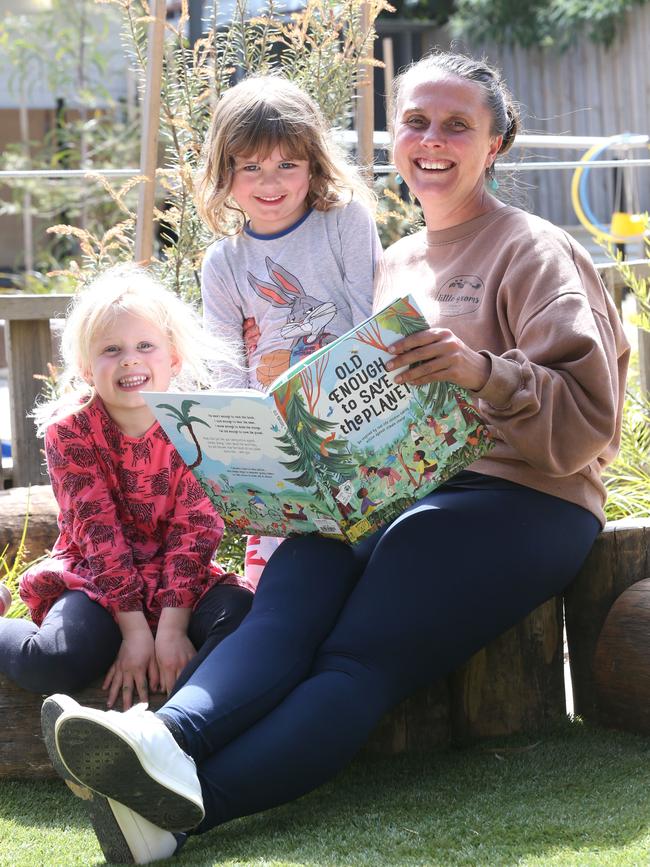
column 573, row 796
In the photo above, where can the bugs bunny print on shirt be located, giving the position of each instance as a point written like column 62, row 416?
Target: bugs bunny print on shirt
column 307, row 318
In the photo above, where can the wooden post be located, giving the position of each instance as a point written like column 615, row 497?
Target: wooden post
column 420, row 722
column 28, row 226
column 615, row 282
column 150, row 130
column 22, row 751
column 644, row 360
column 622, row 662
column 365, row 115
column 514, row 684
column 619, row 558
column 29, row 349
column 389, row 74
column 429, row 37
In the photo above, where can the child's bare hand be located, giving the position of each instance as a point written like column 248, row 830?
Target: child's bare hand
column 173, row 651
column 173, row 648
column 251, row 334
column 134, row 671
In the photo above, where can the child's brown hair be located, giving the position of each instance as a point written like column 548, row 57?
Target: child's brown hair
column 252, row 119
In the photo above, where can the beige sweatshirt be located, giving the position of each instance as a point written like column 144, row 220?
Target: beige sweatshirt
column 527, row 296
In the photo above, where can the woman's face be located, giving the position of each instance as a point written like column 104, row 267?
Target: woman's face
column 443, row 145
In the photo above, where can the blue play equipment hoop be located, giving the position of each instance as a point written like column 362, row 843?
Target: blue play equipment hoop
column 579, row 188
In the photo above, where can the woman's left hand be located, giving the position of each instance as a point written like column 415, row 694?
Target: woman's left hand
column 438, row 354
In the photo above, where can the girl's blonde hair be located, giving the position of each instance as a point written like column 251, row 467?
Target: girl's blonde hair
column 130, row 289
column 252, row 119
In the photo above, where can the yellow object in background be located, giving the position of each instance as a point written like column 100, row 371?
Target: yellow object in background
column 628, row 225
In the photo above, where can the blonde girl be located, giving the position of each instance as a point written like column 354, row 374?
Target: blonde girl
column 298, row 244
column 129, row 592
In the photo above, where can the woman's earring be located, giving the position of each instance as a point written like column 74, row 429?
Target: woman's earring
column 399, row 179
column 493, row 184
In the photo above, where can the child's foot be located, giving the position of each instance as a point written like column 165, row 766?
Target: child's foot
column 5, row 599
column 125, row 837
column 133, row 759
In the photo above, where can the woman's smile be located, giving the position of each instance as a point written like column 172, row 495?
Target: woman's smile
column 434, row 165
column 443, row 146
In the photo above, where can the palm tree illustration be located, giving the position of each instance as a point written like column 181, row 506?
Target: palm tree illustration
column 184, row 419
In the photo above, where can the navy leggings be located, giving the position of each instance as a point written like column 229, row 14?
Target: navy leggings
column 79, row 640
column 337, row 635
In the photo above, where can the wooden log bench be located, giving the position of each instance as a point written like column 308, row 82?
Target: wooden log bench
column 22, row 751
column 621, row 669
column 33, row 509
column 515, row 684
column 606, row 611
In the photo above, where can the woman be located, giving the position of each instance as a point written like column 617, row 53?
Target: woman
column 337, row 635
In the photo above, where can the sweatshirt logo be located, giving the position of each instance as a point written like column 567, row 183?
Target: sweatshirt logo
column 460, row 295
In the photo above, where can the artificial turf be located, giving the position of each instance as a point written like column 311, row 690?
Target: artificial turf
column 571, row 796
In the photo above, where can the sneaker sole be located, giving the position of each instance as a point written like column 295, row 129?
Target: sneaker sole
column 107, row 830
column 102, row 760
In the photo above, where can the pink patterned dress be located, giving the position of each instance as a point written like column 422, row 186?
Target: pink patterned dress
column 136, row 531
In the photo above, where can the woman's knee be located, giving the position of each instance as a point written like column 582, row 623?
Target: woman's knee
column 219, row 612
column 311, row 555
column 308, row 579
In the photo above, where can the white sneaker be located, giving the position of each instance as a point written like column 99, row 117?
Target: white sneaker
column 133, row 759
column 131, row 839
column 125, row 837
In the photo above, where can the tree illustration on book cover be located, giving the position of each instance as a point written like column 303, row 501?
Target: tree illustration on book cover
column 184, row 419
column 336, row 446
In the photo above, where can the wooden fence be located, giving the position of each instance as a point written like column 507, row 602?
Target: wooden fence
column 28, row 335
column 28, row 338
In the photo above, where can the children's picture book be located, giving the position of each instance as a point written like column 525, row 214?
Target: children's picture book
column 335, row 446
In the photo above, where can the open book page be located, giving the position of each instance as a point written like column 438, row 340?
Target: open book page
column 235, row 444
column 336, row 447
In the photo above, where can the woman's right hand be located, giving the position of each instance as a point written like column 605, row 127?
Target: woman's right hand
column 436, row 354
column 134, row 672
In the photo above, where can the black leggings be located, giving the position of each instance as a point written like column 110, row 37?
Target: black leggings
column 337, row 636
column 79, row 640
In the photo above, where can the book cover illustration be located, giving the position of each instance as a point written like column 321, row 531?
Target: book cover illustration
column 336, row 446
